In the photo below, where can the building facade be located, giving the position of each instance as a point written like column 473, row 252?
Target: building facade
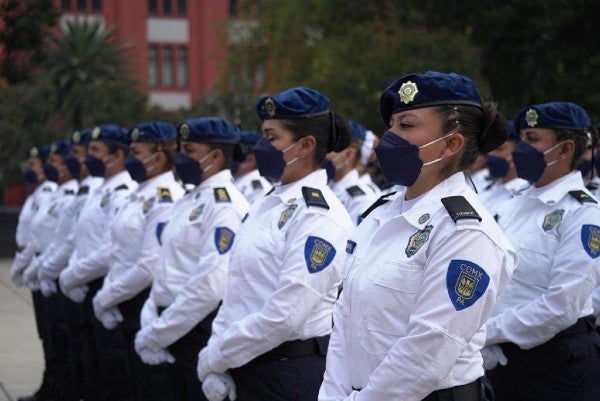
column 177, row 48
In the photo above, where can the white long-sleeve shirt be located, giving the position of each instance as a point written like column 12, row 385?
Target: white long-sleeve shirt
column 252, row 185
column 355, row 195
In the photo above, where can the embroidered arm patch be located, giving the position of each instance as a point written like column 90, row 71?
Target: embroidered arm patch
column 590, row 238
column 223, row 239
column 318, row 254
column 466, row 283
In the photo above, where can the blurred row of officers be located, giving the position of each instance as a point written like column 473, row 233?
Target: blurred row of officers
column 454, row 257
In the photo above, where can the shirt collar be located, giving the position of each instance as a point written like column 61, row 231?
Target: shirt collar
column 220, row 178
column 122, row 177
column 558, row 189
column 291, row 192
column 351, row 178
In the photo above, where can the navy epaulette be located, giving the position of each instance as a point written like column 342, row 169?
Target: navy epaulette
column 271, row 190
column 83, row 190
column 591, row 186
column 459, row 208
column 69, row 192
column 221, row 195
column 314, row 197
column 355, row 191
column 582, row 197
column 164, row 195
column 382, row 199
column 122, row 186
column 256, row 184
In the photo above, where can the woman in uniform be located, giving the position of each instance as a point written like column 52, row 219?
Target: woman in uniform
column 272, row 330
column 543, row 323
column 425, row 266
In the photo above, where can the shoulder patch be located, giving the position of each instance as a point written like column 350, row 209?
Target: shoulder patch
column 318, row 254
column 164, row 195
column 354, row 191
column 121, row 187
column 256, row 184
column 221, row 195
column 552, row 219
column 223, row 239
column 592, row 186
column 582, row 197
column 69, row 192
column 159, row 230
column 417, row 240
column 382, row 199
column 84, row 190
column 47, row 189
column 148, row 204
column 466, row 283
column 590, row 238
column 286, row 215
column 314, row 197
column 459, row 208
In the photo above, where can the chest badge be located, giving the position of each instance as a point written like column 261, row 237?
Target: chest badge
column 196, row 212
column 286, row 215
column 416, row 241
column 104, row 200
column 148, row 204
column 552, row 219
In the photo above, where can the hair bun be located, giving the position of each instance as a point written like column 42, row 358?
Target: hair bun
column 495, row 131
column 339, row 135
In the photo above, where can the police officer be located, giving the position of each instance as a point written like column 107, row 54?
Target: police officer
column 367, row 158
column 38, row 199
column 543, row 323
column 104, row 372
column 245, row 175
column 425, row 266
column 505, row 182
column 344, row 180
column 271, row 332
column 135, row 249
column 190, row 278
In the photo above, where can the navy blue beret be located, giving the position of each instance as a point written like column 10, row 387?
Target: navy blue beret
column 62, row 148
column 358, row 131
column 40, row 151
column 155, row 131
column 558, row 115
column 111, row 133
column 298, row 102
column 82, row 137
column 415, row 91
column 209, row 130
column 250, row 137
column 513, row 133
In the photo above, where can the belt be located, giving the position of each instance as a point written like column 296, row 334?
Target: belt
column 582, row 325
column 473, row 391
column 296, row 349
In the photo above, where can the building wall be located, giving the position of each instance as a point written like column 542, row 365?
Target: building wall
column 201, row 34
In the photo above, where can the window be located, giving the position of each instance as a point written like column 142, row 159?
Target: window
column 181, row 67
column 152, row 7
column 96, row 5
column 81, row 6
column 181, row 7
column 167, row 67
column 153, row 66
column 166, row 7
column 66, row 5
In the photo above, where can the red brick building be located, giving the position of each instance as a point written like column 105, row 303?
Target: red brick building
column 178, row 48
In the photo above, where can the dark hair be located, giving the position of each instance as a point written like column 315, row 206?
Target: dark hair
column 484, row 129
column 227, row 149
column 114, row 147
column 330, row 131
column 169, row 149
column 579, row 137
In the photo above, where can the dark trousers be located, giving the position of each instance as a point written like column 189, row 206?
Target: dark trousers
column 47, row 386
column 564, row 368
column 181, row 375
column 75, row 362
column 479, row 390
column 146, row 382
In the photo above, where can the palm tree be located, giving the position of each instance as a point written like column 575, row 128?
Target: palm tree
column 84, row 59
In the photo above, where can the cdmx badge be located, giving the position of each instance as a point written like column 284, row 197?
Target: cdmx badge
column 416, row 241
column 318, row 254
column 104, row 200
column 286, row 215
column 552, row 219
column 466, row 283
column 148, row 204
column 223, row 239
column 196, row 212
column 408, row 91
column 590, row 238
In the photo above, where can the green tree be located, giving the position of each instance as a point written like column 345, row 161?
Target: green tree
column 25, row 25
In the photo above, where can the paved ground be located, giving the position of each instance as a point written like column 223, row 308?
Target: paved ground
column 21, row 360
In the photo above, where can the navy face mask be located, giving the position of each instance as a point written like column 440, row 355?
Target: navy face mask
column 189, row 170
column 497, row 166
column 73, row 165
column 529, row 161
column 51, row 172
column 95, row 166
column 269, row 160
column 585, row 166
column 399, row 160
column 30, row 176
column 137, row 169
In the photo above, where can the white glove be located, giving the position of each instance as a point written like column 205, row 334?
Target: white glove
column 78, row 293
column 148, row 313
column 48, row 287
column 111, row 318
column 203, row 368
column 217, row 386
column 65, row 280
column 16, row 273
column 98, row 309
column 155, row 357
column 492, row 356
column 30, row 275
